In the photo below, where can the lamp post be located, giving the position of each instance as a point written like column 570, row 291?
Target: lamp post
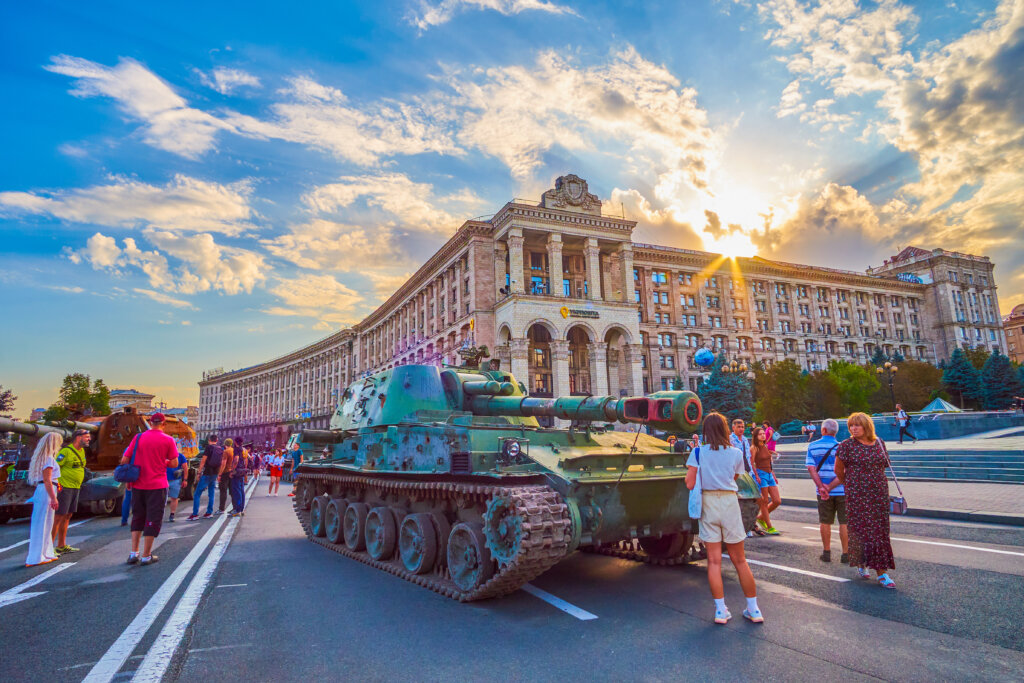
column 888, row 371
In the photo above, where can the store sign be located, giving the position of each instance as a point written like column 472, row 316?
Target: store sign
column 909, row 277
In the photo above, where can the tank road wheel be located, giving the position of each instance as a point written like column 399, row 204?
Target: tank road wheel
column 333, row 516
column 381, row 534
column 317, row 512
column 354, row 526
column 306, row 495
column 104, row 507
column 503, row 528
column 669, row 546
column 749, row 510
column 469, row 560
column 417, row 542
column 443, row 529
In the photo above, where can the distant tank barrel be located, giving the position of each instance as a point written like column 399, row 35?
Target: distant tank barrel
column 29, row 429
column 488, row 388
column 71, row 425
column 321, row 436
column 668, row 410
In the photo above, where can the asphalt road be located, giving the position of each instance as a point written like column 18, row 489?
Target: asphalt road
column 276, row 607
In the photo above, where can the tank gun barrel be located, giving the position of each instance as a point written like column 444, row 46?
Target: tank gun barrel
column 30, row 429
column 321, row 436
column 488, row 388
column 71, row 425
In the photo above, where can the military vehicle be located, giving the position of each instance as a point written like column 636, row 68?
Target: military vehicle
column 445, row 478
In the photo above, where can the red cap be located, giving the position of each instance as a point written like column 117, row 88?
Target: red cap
column 157, row 417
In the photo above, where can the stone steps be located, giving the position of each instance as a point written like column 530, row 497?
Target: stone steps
column 995, row 467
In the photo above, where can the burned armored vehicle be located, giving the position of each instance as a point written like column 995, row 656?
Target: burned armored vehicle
column 445, row 478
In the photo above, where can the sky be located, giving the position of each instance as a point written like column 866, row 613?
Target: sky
column 190, row 186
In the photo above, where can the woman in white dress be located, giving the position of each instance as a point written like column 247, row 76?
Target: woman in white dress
column 43, row 471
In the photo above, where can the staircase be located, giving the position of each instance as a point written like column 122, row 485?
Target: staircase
column 940, row 465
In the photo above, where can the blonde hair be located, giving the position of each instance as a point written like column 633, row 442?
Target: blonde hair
column 47, row 447
column 864, row 421
column 228, row 443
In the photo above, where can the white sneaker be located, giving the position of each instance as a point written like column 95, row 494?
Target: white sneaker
column 722, row 616
column 754, row 616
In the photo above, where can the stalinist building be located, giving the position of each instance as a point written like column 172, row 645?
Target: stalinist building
column 569, row 303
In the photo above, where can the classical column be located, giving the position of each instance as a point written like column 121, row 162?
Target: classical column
column 503, row 353
column 626, row 270
column 499, row 268
column 598, row 355
column 560, row 371
column 555, row 275
column 632, row 353
column 519, row 365
column 515, row 261
column 592, row 254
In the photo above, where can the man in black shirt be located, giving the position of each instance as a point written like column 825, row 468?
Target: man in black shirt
column 210, row 467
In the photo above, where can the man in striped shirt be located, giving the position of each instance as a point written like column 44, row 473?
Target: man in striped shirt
column 821, row 463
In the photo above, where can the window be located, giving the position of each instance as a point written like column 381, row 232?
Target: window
column 801, row 291
column 659, row 277
column 789, row 345
column 663, row 297
column 686, row 278
column 687, row 300
column 538, row 260
column 761, row 305
column 897, row 318
column 780, row 289
column 740, row 323
column 992, row 335
column 880, row 316
column 636, row 274
column 984, row 281
column 782, row 306
column 711, row 282
column 824, row 311
column 737, row 304
column 711, row 301
column 715, row 321
column 667, row 362
column 758, row 287
column 805, row 328
column 970, row 278
column 763, row 325
column 785, row 326
column 643, row 361
column 667, row 383
column 766, row 344
column 878, row 300
column 844, row 313
column 636, row 295
column 805, row 310
column 953, row 277
column 841, row 296
column 865, row 332
column 541, row 358
column 664, row 339
column 744, row 344
column 894, row 302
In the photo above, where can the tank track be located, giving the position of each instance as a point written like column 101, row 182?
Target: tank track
column 545, row 519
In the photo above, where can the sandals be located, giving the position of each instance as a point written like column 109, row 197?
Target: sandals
column 864, row 573
column 886, row 582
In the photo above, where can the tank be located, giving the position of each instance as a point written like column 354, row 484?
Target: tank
column 445, row 478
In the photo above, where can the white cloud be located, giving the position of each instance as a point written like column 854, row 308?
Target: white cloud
column 183, row 204
column 162, row 298
column 226, row 81
column 70, row 290
column 437, row 13
column 323, row 244
column 316, row 296
column 169, row 123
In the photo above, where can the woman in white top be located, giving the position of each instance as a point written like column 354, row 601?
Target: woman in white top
column 43, row 471
column 718, row 463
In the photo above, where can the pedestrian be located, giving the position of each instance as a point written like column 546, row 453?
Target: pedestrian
column 821, row 464
column 175, row 477
column 718, row 463
column 770, row 436
column 770, row 497
column 860, row 468
column 126, row 505
column 154, row 451
column 210, row 466
column 296, row 460
column 43, row 471
column 809, row 429
column 276, row 464
column 71, row 460
column 903, row 420
column 738, row 440
column 227, row 464
column 239, row 471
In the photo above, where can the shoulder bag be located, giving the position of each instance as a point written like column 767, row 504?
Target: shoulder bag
column 822, row 461
column 129, row 472
column 897, row 504
column 695, row 502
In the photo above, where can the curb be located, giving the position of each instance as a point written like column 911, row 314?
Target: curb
column 933, row 513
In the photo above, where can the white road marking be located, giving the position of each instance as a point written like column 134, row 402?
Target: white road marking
column 20, row 543
column 218, row 647
column 114, row 658
column 946, row 545
column 827, row 577
column 231, row 585
column 13, row 595
column 160, row 654
column 568, row 608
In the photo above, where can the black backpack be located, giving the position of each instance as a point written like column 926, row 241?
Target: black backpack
column 214, row 454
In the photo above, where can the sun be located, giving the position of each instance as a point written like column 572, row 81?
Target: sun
column 733, row 244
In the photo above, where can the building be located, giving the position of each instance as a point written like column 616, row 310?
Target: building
column 563, row 296
column 1013, row 327
column 37, row 414
column 130, row 398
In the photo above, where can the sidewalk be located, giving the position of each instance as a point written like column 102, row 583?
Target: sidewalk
column 964, row 501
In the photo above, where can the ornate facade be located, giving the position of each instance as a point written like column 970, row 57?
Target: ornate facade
column 1013, row 326
column 561, row 294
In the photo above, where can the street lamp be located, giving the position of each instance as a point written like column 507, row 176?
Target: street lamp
column 889, row 371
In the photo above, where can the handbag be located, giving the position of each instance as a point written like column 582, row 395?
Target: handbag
column 897, row 504
column 129, row 472
column 694, row 506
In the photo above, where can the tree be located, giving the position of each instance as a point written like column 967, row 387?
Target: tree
column 856, row 385
column 7, row 399
column 977, row 356
column 915, row 384
column 962, row 378
column 730, row 393
column 999, row 383
column 878, row 357
column 824, row 395
column 99, row 400
column 77, row 398
column 783, row 394
column 897, row 357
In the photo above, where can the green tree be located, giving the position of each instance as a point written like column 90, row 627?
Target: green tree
column 897, row 357
column 7, row 399
column 878, row 357
column 56, row 413
column 783, row 394
column 824, row 395
column 79, row 398
column 962, row 378
column 856, row 385
column 999, row 383
column 99, row 399
column 977, row 356
column 730, row 393
column 915, row 384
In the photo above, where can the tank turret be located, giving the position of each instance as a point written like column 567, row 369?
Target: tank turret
column 445, row 477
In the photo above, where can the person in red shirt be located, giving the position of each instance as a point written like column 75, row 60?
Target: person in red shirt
column 155, row 453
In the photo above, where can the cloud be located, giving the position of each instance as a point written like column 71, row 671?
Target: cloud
column 169, row 123
column 184, row 203
column 70, row 290
column 384, row 285
column 437, row 13
column 316, row 296
column 162, row 298
column 323, row 244
column 226, row 81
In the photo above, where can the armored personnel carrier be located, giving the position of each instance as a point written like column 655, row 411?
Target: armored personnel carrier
column 446, row 479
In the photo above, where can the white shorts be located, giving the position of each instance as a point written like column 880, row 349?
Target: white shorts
column 720, row 518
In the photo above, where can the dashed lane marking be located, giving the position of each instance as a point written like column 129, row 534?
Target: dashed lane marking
column 20, row 543
column 559, row 603
column 946, row 545
column 231, row 585
column 827, row 577
column 13, row 595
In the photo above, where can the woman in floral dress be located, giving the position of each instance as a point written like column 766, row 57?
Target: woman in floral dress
column 861, row 461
